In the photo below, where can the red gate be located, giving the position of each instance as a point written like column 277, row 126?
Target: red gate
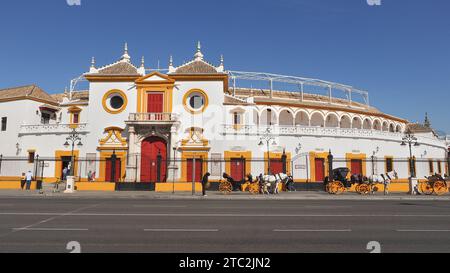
column 276, row 166
column 150, row 149
column 198, row 169
column 108, row 169
column 319, row 169
column 237, row 168
column 356, row 166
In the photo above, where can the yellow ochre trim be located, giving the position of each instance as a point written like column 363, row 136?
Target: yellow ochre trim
column 105, row 101
column 362, row 157
column 247, row 155
column 186, row 103
column 312, row 163
column 277, row 155
column 58, row 164
column 185, row 155
column 104, row 155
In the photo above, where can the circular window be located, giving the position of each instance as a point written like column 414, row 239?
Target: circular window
column 195, row 101
column 114, row 101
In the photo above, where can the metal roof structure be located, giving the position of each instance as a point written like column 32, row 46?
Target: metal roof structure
column 270, row 78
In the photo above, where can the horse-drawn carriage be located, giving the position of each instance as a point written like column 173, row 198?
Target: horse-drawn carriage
column 264, row 184
column 340, row 183
column 435, row 184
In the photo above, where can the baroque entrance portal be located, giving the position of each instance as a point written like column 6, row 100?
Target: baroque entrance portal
column 153, row 160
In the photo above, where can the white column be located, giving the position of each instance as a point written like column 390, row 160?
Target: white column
column 131, row 164
column 172, row 170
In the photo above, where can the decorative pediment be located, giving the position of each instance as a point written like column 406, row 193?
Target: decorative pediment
column 195, row 138
column 113, row 139
column 155, row 77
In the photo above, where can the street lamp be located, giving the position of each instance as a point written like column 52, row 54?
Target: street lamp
column 409, row 140
column 174, row 163
column 267, row 138
column 73, row 137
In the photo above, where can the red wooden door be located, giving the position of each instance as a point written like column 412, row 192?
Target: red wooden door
column 155, row 104
column 237, row 169
column 198, row 169
column 356, row 166
column 150, row 149
column 108, row 168
column 320, row 169
column 276, row 166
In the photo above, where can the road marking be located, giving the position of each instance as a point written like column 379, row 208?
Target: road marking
column 312, row 230
column 423, row 230
column 215, row 215
column 180, row 230
column 157, row 206
column 51, row 229
column 55, row 216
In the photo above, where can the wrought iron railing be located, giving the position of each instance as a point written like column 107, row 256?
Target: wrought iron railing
column 285, row 130
column 52, row 128
column 153, row 117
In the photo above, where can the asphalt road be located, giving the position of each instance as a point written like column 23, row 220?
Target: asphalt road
column 224, row 226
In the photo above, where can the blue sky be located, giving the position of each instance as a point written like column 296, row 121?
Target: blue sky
column 399, row 51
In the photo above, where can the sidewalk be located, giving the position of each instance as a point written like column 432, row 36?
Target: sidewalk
column 299, row 195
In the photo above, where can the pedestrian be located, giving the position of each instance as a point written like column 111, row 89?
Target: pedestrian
column 28, row 178
column 22, row 181
column 65, row 171
column 387, row 183
column 204, row 183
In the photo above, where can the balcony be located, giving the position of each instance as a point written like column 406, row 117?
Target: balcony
column 283, row 130
column 42, row 129
column 152, row 118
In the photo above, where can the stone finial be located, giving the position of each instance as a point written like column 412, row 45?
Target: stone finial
column 199, row 55
column 427, row 122
column 171, row 67
column 92, row 69
column 220, row 68
column 93, row 62
column 126, row 57
column 143, row 61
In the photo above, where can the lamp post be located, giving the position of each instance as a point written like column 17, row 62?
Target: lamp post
column 409, row 140
column 267, row 138
column 73, row 137
column 174, row 162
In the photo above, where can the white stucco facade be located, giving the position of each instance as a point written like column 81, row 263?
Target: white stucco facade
column 224, row 126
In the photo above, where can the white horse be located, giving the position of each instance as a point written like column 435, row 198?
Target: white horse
column 273, row 182
column 384, row 179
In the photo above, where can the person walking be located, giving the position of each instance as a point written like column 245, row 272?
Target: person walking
column 28, row 178
column 204, row 183
column 22, row 181
column 65, row 171
column 387, row 183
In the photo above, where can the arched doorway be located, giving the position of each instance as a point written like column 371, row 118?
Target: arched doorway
column 153, row 160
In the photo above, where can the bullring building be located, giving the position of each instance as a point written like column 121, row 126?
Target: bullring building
column 178, row 123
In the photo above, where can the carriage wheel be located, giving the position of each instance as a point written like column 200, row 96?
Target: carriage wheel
column 225, row 187
column 426, row 188
column 340, row 188
column 253, row 188
column 331, row 188
column 364, row 189
column 440, row 187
